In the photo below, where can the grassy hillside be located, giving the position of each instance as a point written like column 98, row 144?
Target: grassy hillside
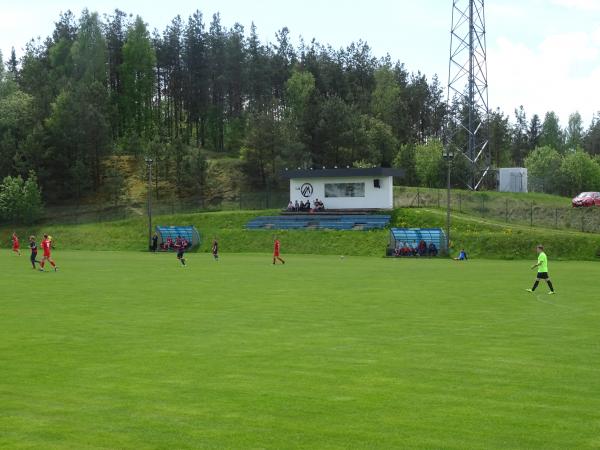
column 430, row 195
column 531, row 209
column 481, row 237
column 494, row 239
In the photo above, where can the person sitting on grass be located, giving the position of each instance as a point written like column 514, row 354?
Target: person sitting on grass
column 462, row 256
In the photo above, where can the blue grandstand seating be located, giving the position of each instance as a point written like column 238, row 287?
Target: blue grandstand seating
column 415, row 235
column 330, row 222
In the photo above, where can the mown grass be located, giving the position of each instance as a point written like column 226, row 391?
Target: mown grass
column 128, row 350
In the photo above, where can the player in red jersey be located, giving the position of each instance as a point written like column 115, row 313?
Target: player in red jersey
column 276, row 249
column 46, row 246
column 15, row 244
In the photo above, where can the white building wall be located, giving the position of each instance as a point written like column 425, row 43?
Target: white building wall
column 376, row 198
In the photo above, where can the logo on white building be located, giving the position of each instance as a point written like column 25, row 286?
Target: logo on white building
column 306, row 190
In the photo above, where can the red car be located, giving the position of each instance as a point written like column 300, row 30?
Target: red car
column 586, row 199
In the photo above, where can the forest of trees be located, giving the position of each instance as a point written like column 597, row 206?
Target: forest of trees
column 104, row 86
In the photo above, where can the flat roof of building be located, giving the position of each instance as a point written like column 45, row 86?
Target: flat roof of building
column 340, row 173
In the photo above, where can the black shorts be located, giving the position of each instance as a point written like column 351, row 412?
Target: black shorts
column 179, row 255
column 542, row 275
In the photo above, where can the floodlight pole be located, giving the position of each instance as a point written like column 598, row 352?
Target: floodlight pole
column 468, row 121
column 149, row 162
column 448, row 156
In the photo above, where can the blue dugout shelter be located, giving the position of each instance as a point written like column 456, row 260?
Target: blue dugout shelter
column 189, row 233
column 412, row 236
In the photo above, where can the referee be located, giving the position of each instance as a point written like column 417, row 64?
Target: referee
column 542, row 266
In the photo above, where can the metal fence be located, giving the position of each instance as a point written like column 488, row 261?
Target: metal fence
column 73, row 214
column 488, row 205
column 500, row 208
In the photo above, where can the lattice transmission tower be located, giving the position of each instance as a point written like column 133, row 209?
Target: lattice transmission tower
column 467, row 132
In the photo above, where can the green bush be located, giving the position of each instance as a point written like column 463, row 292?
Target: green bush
column 20, row 200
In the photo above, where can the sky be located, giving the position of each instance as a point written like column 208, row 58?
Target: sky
column 542, row 54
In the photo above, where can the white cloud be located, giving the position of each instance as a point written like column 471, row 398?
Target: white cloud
column 561, row 74
column 505, row 10
column 585, row 5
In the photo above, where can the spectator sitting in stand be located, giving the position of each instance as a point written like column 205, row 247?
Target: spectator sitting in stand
column 414, row 249
column 307, row 205
column 405, row 249
column 433, row 251
column 422, row 248
column 290, row 206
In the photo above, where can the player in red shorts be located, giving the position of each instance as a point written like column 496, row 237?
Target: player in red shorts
column 46, row 246
column 15, row 244
column 276, row 249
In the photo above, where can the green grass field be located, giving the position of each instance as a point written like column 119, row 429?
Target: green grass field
column 129, row 350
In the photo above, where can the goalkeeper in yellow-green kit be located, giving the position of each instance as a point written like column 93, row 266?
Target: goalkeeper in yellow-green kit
column 542, row 266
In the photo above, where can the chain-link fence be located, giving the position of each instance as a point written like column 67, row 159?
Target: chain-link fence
column 504, row 209
column 488, row 205
column 94, row 213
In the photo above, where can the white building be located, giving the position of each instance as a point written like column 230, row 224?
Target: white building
column 512, row 179
column 371, row 188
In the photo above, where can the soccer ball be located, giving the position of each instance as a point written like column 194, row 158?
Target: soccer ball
column 49, row 238
column 341, row 256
